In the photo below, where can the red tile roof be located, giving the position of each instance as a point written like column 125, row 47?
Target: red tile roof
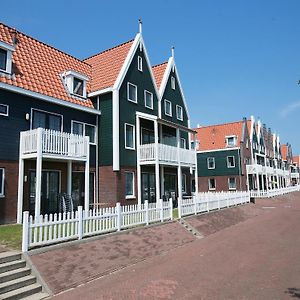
column 37, row 67
column 214, row 137
column 107, row 65
column 158, row 72
column 284, row 151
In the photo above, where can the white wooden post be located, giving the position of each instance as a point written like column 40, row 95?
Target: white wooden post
column 25, row 233
column 119, row 216
column 80, row 223
column 179, row 208
column 179, row 175
column 69, row 178
column 157, row 182
column 138, row 171
column 87, row 176
column 218, row 197
column 171, row 208
column 146, row 207
column 38, row 173
column 196, row 167
column 161, row 210
column 20, row 189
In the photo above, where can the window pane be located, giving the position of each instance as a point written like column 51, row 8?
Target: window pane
column 232, row 183
column 148, row 100
column 39, row 120
column 78, row 86
column 1, row 182
column 129, row 183
column 132, row 92
column 179, row 113
column 129, row 136
column 90, row 131
column 54, row 123
column 77, row 128
column 212, row 183
column 168, row 108
column 182, row 143
column 3, row 59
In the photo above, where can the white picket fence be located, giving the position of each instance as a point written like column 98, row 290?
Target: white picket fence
column 274, row 192
column 54, row 228
column 204, row 202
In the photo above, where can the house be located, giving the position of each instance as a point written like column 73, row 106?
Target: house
column 223, row 151
column 295, row 170
column 93, row 132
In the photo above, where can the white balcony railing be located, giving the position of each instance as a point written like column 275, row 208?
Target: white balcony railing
column 54, row 143
column 167, row 154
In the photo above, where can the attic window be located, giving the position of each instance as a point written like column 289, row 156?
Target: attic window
column 76, row 83
column 231, row 141
column 3, row 59
column 6, row 57
column 173, row 83
column 140, row 63
column 78, row 86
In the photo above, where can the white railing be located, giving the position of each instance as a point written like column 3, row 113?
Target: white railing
column 274, row 192
column 204, row 202
column 54, row 228
column 167, row 154
column 54, row 143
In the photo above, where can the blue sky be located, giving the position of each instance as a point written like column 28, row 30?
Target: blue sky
column 235, row 58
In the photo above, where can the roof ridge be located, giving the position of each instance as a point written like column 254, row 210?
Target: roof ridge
column 47, row 45
column 214, row 125
column 109, row 49
column 159, row 64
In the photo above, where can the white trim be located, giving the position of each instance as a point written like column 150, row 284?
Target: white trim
column 167, row 101
column 52, row 100
column 7, row 110
column 151, row 94
column 9, row 50
column 146, row 116
column 133, row 136
column 133, row 186
column 136, row 94
column 2, row 193
column 209, row 188
column 235, row 138
column 116, row 130
column 140, row 63
column 228, row 165
column 83, row 134
column 46, row 112
column 208, row 163
column 177, row 107
column 76, row 74
column 99, row 92
column 6, row 46
column 216, row 150
column 173, row 83
column 231, row 189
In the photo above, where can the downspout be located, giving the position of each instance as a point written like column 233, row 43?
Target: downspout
column 97, row 154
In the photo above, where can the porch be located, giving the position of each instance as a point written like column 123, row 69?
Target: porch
column 43, row 146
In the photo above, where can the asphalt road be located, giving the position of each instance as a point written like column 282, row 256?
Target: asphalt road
column 255, row 256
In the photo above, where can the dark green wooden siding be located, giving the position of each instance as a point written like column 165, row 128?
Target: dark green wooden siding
column 220, row 163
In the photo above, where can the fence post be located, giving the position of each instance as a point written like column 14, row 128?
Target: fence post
column 195, row 204
column 171, row 208
column 25, row 237
column 119, row 216
column 207, row 203
column 146, row 207
column 218, row 196
column 179, row 207
column 80, row 223
column 161, row 210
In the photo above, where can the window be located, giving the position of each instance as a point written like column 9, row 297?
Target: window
column 182, row 143
column 231, row 141
column 148, row 99
column 131, row 92
column 232, row 183
column 46, row 120
column 3, row 110
column 84, row 129
column 230, row 162
column 129, row 137
column 173, row 83
column 168, row 108
column 78, row 86
column 2, row 178
column 211, row 184
column 129, row 185
column 183, row 183
column 211, row 163
column 179, row 112
column 140, row 63
column 247, row 143
column 6, row 51
column 3, row 59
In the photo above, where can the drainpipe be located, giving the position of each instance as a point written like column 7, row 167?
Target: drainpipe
column 97, row 153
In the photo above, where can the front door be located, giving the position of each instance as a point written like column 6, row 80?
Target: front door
column 49, row 191
column 170, row 187
column 148, row 187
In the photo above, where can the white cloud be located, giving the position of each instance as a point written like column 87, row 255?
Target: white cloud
column 289, row 109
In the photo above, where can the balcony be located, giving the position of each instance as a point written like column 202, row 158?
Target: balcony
column 255, row 168
column 53, row 144
column 166, row 154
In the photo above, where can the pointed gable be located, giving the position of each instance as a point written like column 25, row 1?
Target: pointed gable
column 107, row 65
column 158, row 72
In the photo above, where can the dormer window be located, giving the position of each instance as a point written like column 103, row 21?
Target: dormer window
column 6, row 51
column 173, row 83
column 140, row 63
column 76, row 83
column 231, row 141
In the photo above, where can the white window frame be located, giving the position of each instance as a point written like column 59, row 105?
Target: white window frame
column 133, row 185
column 209, row 187
column 140, row 63
column 145, row 93
column 231, row 188
column 228, row 165
column 207, row 160
column 133, row 133
column 2, row 193
column 7, row 110
column 165, row 105
column 184, row 143
column 9, row 51
column 133, row 101
column 69, row 80
column 173, row 83
column 180, row 118
column 235, row 140
column 84, row 124
column 46, row 112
